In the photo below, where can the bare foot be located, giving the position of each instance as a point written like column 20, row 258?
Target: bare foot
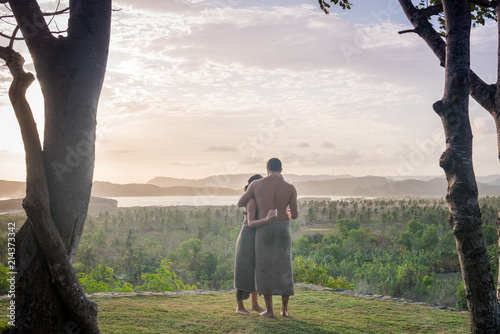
column 242, row 311
column 284, row 313
column 257, row 308
column 267, row 314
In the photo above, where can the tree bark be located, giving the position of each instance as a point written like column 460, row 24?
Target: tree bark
column 465, row 216
column 70, row 71
column 495, row 112
column 37, row 206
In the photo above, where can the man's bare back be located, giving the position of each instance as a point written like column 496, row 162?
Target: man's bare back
column 273, row 192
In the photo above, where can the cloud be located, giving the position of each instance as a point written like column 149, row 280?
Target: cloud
column 327, row 144
column 312, row 158
column 170, row 6
column 256, row 160
column 122, row 152
column 483, row 127
column 188, row 164
column 281, row 37
column 192, row 75
column 222, row 59
column 215, row 148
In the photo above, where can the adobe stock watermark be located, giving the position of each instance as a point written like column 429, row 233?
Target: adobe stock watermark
column 75, row 155
column 417, row 155
column 30, row 26
column 420, row 152
column 11, row 274
column 72, row 327
column 251, row 148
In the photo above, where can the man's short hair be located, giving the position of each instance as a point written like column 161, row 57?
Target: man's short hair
column 274, row 165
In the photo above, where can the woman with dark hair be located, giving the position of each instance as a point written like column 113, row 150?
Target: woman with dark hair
column 244, row 262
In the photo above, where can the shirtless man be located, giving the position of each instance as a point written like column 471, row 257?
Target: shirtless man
column 271, row 193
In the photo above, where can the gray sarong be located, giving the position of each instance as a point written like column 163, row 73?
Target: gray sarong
column 244, row 263
column 273, row 259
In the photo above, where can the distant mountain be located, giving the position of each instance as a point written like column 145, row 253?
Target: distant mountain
column 234, row 181
column 413, row 177
column 306, row 178
column 307, row 185
column 96, row 204
column 12, row 189
column 487, row 189
column 434, row 187
column 495, row 182
column 107, row 189
column 343, row 187
column 492, row 179
column 163, row 181
column 375, row 186
column 14, row 204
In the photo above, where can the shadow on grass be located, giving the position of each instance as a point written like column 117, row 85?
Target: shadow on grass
column 290, row 326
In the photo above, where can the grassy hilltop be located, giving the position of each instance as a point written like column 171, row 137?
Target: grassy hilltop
column 311, row 311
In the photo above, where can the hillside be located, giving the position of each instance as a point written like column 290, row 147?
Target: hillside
column 107, row 189
column 312, row 311
column 96, row 204
column 307, row 185
column 234, row 181
column 340, row 185
column 12, row 189
column 376, row 186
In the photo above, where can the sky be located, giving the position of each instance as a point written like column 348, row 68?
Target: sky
column 196, row 88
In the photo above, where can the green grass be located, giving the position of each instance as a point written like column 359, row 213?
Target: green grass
column 311, row 311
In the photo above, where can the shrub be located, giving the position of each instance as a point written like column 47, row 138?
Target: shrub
column 307, row 271
column 462, row 300
column 103, row 279
column 4, row 284
column 163, row 280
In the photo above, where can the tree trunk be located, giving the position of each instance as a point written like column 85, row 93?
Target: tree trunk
column 70, row 71
column 495, row 112
column 465, row 216
column 37, row 204
column 457, row 160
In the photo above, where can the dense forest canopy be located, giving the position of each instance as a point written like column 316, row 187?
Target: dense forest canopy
column 399, row 247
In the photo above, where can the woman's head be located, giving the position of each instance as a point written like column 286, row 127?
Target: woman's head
column 251, row 179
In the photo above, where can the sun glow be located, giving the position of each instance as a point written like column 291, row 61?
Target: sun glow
column 10, row 134
column 35, row 99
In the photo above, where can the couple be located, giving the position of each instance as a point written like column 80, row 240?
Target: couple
column 263, row 261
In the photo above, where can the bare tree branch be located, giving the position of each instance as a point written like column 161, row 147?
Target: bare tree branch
column 407, row 31
column 484, row 3
column 13, row 38
column 480, row 91
column 57, row 7
column 33, row 26
column 57, row 12
column 2, row 18
column 432, row 10
column 53, row 14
